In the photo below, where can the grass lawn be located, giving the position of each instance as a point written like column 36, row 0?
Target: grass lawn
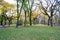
column 30, row 33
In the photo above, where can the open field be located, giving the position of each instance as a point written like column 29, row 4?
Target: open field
column 30, row 33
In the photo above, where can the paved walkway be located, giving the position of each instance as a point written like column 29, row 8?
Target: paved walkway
column 0, row 26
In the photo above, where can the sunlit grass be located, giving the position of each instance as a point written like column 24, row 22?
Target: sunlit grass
column 30, row 33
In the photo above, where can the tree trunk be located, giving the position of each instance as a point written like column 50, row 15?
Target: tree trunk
column 30, row 17
column 48, row 21
column 5, row 21
column 17, row 23
column 51, row 22
column 25, row 19
column 51, row 18
column 1, row 22
column 17, row 15
column 44, row 19
column 9, row 22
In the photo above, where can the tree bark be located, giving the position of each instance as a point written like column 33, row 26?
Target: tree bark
column 25, row 19
column 44, row 19
column 17, row 15
column 30, row 17
column 48, row 21
column 1, row 22
column 51, row 22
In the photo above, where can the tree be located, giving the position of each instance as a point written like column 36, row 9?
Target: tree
column 50, row 7
column 21, row 2
column 5, row 7
column 31, row 11
column 17, row 15
column 28, row 4
column 27, row 7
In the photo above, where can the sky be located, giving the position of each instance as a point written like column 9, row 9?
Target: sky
column 11, row 1
column 14, row 2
